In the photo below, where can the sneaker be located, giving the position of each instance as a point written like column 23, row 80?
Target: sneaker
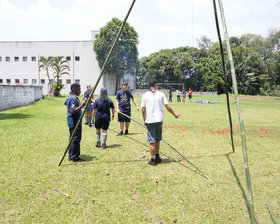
column 121, row 133
column 104, row 146
column 158, row 159
column 98, row 145
column 152, row 162
column 77, row 160
column 86, row 123
column 126, row 132
column 90, row 125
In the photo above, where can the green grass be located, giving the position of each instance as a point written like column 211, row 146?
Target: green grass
column 117, row 185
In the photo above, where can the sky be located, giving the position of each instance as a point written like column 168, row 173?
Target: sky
column 160, row 24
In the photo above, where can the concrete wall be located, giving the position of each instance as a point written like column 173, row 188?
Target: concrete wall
column 15, row 96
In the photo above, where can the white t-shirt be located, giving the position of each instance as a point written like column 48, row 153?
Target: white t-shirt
column 153, row 103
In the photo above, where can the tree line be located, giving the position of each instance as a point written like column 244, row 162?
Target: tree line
column 256, row 60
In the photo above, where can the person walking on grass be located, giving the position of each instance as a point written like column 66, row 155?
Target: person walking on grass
column 74, row 112
column 170, row 95
column 88, row 114
column 153, row 114
column 123, row 105
column 178, row 96
column 190, row 92
column 184, row 95
column 85, row 94
column 102, row 116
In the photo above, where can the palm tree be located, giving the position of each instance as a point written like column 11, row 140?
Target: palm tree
column 60, row 67
column 45, row 63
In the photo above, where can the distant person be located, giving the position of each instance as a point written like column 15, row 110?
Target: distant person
column 102, row 116
column 178, row 96
column 123, row 105
column 85, row 93
column 184, row 95
column 88, row 114
column 74, row 112
column 190, row 92
column 152, row 113
column 170, row 95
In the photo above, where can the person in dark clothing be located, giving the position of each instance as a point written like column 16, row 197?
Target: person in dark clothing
column 123, row 105
column 101, row 114
column 74, row 112
column 170, row 95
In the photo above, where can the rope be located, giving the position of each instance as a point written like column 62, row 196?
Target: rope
column 169, row 146
column 173, row 160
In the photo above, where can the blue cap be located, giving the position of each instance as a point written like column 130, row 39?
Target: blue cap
column 103, row 90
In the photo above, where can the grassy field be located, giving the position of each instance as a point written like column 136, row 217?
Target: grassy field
column 116, row 185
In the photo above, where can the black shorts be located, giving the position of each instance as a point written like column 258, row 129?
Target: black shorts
column 122, row 118
column 101, row 124
column 89, row 108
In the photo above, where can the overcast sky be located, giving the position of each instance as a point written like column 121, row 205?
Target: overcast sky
column 159, row 23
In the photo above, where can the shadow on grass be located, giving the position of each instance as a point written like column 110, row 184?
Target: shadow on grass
column 113, row 146
column 87, row 158
column 240, row 186
column 135, row 133
column 9, row 116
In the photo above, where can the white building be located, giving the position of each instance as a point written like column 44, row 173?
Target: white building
column 19, row 64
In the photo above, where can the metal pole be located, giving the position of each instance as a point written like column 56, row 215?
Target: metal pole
column 224, row 72
column 244, row 148
column 101, row 73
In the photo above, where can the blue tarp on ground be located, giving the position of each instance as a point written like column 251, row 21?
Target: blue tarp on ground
column 204, row 101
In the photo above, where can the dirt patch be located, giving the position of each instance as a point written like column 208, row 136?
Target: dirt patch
column 259, row 131
column 177, row 127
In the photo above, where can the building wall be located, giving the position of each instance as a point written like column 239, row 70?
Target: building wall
column 83, row 65
column 22, row 66
column 14, row 96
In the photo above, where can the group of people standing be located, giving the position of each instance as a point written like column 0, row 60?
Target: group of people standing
column 98, row 114
column 190, row 92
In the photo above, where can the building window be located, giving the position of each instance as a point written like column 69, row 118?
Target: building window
column 77, row 81
column 16, row 81
column 68, row 81
column 43, row 81
column 33, row 58
column 68, row 58
column 8, row 81
column 34, row 81
column 1, row 80
column 77, row 58
column 24, row 58
column 7, row 58
column 0, row 58
column 16, row 58
column 25, row 81
column 51, row 81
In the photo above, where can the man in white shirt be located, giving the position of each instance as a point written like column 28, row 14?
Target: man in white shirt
column 153, row 115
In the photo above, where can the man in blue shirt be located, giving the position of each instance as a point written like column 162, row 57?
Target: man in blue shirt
column 74, row 113
column 101, row 114
column 123, row 105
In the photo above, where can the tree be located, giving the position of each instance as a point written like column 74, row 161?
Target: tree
column 123, row 59
column 45, row 63
column 60, row 67
column 161, row 66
